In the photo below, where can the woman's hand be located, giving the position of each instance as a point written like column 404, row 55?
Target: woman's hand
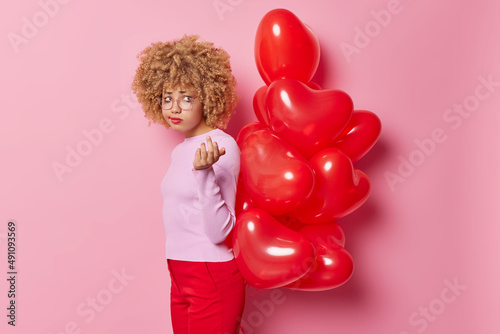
column 204, row 158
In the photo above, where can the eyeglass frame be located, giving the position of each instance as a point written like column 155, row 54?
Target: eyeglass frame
column 160, row 99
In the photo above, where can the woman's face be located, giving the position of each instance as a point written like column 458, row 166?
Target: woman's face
column 183, row 111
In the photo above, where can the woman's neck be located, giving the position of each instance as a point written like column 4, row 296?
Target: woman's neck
column 199, row 130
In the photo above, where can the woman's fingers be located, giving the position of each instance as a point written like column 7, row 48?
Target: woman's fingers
column 213, row 149
column 210, row 145
column 216, row 151
column 208, row 154
column 203, row 151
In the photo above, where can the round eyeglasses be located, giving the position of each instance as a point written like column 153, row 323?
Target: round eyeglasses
column 184, row 102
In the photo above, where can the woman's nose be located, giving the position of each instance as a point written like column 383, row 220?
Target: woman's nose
column 175, row 108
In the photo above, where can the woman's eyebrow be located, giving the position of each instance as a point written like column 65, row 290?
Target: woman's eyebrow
column 181, row 92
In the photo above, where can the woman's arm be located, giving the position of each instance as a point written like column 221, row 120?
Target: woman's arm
column 217, row 179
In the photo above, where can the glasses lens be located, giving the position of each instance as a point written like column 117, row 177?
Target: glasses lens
column 185, row 104
column 165, row 103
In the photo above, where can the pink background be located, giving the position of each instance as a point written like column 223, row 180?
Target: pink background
column 439, row 223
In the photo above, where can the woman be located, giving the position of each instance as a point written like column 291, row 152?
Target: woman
column 187, row 85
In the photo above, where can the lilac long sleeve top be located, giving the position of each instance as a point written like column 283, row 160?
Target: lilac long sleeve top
column 198, row 205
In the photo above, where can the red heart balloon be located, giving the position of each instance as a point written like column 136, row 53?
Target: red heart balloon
column 277, row 178
column 305, row 118
column 268, row 254
column 247, row 130
column 333, row 265
column 359, row 135
column 285, row 48
column 259, row 102
column 259, row 105
column 339, row 188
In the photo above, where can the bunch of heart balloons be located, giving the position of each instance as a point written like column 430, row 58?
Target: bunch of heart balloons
column 297, row 175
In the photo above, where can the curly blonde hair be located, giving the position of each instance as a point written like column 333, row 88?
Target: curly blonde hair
column 186, row 62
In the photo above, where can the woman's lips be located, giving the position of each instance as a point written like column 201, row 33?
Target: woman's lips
column 175, row 120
